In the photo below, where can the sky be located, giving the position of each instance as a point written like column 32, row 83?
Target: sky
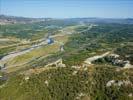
column 68, row 8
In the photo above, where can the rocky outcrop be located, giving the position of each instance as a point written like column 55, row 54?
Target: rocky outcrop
column 113, row 59
column 118, row 83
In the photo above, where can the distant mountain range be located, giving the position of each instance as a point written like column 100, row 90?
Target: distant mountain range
column 4, row 19
column 105, row 20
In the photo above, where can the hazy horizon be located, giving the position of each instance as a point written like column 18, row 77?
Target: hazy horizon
column 67, row 9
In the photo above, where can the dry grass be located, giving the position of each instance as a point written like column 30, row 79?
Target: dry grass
column 62, row 39
column 15, row 63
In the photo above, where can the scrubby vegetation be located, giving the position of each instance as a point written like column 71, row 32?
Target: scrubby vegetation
column 58, row 84
column 98, row 39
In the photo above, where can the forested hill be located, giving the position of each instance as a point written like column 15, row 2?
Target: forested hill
column 13, row 19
